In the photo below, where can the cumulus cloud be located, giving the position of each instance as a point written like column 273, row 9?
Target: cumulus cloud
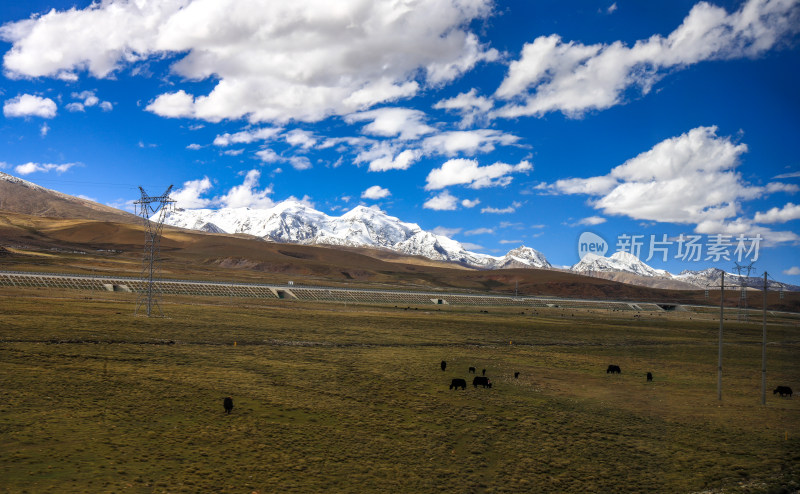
column 782, row 187
column 788, row 212
column 247, row 136
column 470, row 142
column 446, row 232
column 247, row 194
column 591, row 220
column 470, row 106
column 383, row 156
column 469, row 173
column 444, row 201
column 570, row 77
column 470, row 203
column 506, row 210
column 793, row 271
column 30, row 167
column 402, row 123
column 188, row 196
column 29, row 105
column 272, row 61
column 300, row 138
column 686, row 179
column 375, row 192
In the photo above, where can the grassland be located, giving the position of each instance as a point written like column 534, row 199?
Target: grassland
column 351, row 399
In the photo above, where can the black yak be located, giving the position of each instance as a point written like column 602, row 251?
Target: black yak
column 472, row 370
column 458, row 383
column 228, row 404
column 444, row 365
column 783, row 391
column 613, row 369
column 482, row 381
column 649, row 376
column 516, row 375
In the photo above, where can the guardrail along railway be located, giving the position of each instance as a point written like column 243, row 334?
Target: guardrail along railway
column 319, row 294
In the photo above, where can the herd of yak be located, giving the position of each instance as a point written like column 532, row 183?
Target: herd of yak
column 484, row 381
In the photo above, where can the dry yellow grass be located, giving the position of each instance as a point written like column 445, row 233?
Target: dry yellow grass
column 351, row 399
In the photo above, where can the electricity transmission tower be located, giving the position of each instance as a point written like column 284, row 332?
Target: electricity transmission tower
column 743, row 281
column 147, row 207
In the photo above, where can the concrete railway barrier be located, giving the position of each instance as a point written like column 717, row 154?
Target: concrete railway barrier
column 321, row 294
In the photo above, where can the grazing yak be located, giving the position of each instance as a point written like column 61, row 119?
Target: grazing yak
column 483, row 381
column 472, row 370
column 516, row 375
column 649, row 376
column 444, row 365
column 228, row 404
column 613, row 369
column 458, row 383
column 783, row 391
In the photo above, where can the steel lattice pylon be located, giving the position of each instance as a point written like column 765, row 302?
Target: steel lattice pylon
column 743, row 282
column 147, row 207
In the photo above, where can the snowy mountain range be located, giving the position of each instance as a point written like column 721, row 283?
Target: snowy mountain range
column 295, row 222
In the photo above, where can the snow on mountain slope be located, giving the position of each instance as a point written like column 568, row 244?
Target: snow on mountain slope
column 619, row 261
column 294, row 222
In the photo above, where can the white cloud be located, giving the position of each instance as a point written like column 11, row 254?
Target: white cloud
column 194, row 147
column 470, row 106
column 592, row 220
column 612, row 8
column 742, row 226
column 480, row 231
column 300, row 138
column 383, row 156
column 468, row 172
column 686, row 179
column 403, row 123
column 788, row 175
column 106, row 106
column 505, row 242
column 506, row 210
column 442, row 202
column 472, row 247
column 268, row 155
column 74, row 107
column 467, row 203
column 272, row 61
column 375, row 192
column 247, row 136
column 552, row 75
column 247, row 194
column 788, row 212
column 44, row 129
column 793, row 271
column 446, row 232
column 188, row 196
column 233, row 152
column 299, row 162
column 782, row 187
column 28, row 168
column 466, row 141
column 29, row 105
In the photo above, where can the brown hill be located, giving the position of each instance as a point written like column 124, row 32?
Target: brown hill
column 32, row 243
column 21, row 196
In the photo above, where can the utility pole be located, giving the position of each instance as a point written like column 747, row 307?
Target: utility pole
column 721, row 316
column 152, row 245
column 764, row 347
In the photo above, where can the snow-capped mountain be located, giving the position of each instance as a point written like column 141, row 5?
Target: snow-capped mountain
column 712, row 277
column 619, row 261
column 295, row 222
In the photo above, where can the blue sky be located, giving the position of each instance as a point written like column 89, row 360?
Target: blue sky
column 497, row 124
